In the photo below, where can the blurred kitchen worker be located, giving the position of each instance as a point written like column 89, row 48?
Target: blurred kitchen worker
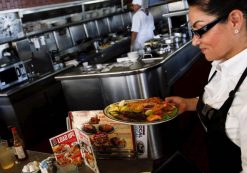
column 142, row 26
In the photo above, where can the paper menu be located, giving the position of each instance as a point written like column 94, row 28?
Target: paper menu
column 66, row 148
column 74, row 147
column 87, row 151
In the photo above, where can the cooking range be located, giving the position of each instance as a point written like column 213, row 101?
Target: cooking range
column 163, row 44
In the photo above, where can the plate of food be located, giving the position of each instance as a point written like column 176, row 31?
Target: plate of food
column 141, row 111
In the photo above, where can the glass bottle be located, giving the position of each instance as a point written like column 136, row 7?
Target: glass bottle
column 18, row 145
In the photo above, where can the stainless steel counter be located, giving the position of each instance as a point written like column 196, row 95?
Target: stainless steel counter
column 32, row 105
column 31, row 82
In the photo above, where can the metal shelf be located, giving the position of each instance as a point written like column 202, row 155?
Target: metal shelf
column 176, row 13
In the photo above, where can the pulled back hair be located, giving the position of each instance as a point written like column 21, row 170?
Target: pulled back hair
column 219, row 7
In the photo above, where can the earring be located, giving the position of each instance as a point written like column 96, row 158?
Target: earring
column 236, row 31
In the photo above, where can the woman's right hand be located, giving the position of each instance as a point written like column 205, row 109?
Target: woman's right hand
column 183, row 104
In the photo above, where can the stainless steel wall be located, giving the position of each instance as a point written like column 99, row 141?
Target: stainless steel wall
column 78, row 33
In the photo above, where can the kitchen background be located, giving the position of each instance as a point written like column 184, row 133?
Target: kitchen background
column 45, row 35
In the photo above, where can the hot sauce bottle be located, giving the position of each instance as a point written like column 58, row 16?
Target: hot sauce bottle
column 18, row 145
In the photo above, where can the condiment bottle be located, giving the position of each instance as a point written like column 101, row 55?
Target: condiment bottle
column 18, row 145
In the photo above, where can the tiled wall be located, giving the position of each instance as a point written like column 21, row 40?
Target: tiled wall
column 14, row 4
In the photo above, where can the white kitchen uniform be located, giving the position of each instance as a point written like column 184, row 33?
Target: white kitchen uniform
column 217, row 91
column 143, row 24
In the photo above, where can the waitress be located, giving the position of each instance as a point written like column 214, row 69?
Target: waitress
column 220, row 30
column 142, row 26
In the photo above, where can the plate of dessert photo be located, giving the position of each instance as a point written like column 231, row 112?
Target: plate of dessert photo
column 118, row 142
column 107, row 128
column 89, row 128
column 141, row 111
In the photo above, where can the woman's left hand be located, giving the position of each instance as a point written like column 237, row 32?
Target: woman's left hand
column 183, row 104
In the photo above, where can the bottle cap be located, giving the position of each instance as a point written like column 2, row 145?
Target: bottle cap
column 13, row 129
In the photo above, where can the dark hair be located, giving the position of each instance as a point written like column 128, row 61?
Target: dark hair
column 219, row 7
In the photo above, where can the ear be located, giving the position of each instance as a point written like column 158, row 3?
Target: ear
column 236, row 18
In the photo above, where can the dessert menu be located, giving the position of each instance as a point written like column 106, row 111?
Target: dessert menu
column 109, row 139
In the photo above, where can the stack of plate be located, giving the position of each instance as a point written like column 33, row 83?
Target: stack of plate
column 76, row 17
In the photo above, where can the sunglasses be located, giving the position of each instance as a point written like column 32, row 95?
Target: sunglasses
column 207, row 27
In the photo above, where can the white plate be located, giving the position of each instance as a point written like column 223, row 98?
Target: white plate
column 106, row 112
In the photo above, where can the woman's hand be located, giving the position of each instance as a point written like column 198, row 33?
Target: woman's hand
column 183, row 104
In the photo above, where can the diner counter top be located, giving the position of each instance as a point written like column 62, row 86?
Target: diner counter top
column 120, row 68
column 105, row 166
column 32, row 156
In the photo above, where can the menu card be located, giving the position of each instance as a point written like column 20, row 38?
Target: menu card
column 109, row 139
column 74, row 147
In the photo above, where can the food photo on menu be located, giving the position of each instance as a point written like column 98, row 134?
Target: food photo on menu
column 74, row 147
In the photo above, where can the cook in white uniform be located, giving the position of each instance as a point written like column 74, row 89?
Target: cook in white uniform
column 142, row 26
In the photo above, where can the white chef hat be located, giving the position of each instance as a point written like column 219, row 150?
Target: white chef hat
column 137, row 2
